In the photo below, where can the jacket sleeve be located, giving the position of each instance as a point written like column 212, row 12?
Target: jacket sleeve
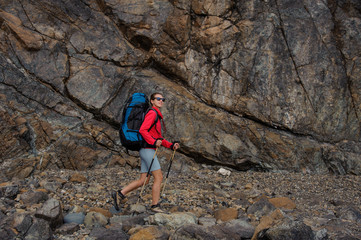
column 166, row 144
column 147, row 123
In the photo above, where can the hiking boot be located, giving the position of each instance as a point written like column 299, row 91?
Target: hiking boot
column 156, row 208
column 118, row 198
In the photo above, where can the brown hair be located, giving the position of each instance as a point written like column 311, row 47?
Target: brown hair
column 152, row 97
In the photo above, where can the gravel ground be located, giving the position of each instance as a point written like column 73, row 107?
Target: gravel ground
column 320, row 199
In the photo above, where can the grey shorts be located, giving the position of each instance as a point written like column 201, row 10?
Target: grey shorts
column 146, row 156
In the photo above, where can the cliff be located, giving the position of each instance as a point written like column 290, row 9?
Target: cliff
column 266, row 85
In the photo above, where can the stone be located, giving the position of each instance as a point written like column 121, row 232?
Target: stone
column 288, row 230
column 133, row 221
column 226, row 214
column 149, row 233
column 105, row 212
column 207, row 221
column 224, row 172
column 9, row 191
column 267, row 222
column 51, row 186
column 78, row 178
column 261, row 208
column 138, row 208
column 51, row 211
column 239, row 227
column 7, row 233
column 77, row 218
column 172, row 221
column 22, row 222
column 33, row 197
column 235, row 229
column 95, row 219
column 282, row 202
column 68, row 228
column 112, row 233
column 40, row 229
column 350, row 213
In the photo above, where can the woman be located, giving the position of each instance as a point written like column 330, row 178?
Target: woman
column 153, row 138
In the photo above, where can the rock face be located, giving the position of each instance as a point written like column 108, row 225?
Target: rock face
column 270, row 85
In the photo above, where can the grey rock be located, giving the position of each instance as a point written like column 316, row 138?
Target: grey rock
column 6, row 233
column 39, row 230
column 74, row 218
column 100, row 233
column 231, row 230
column 261, row 208
column 9, row 191
column 68, row 228
column 287, row 230
column 33, row 197
column 95, row 219
column 350, row 213
column 321, row 234
column 127, row 221
column 138, row 208
column 51, row 211
column 194, row 232
column 239, row 227
column 174, row 220
column 52, row 186
column 22, row 222
column 207, row 221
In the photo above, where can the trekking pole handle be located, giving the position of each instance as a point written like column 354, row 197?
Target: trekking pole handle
column 172, row 146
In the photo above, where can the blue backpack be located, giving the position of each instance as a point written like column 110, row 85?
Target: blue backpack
column 134, row 112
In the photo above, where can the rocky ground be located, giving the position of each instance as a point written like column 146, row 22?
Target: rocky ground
column 200, row 203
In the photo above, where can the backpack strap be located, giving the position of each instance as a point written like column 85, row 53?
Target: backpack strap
column 156, row 118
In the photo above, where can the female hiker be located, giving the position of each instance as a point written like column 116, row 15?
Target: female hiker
column 153, row 138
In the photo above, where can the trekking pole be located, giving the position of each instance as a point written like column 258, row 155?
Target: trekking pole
column 148, row 175
column 170, row 165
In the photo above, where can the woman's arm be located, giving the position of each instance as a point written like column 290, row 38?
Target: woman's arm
column 144, row 128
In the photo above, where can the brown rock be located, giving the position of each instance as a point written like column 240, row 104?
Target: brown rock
column 117, row 160
column 78, row 178
column 132, row 161
column 31, row 40
column 101, row 210
column 20, row 121
column 282, row 202
column 268, row 221
column 248, row 186
column 150, row 233
column 226, row 214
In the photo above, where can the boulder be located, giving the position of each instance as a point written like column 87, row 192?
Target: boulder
column 51, row 211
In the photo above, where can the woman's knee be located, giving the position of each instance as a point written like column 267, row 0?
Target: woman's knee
column 158, row 176
column 143, row 179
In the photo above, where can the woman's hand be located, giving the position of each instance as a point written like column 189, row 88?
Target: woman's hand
column 158, row 143
column 176, row 146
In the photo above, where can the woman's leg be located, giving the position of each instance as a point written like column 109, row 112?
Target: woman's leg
column 135, row 184
column 158, row 177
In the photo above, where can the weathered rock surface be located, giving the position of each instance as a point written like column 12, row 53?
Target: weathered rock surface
column 271, row 85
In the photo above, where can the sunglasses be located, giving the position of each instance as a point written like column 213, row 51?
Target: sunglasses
column 160, row 99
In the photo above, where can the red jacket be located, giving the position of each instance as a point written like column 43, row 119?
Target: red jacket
column 155, row 133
